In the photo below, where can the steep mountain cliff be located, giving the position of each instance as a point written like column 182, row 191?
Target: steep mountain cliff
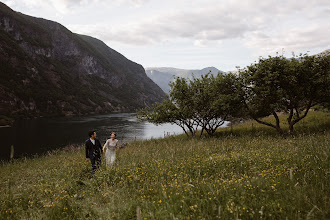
column 162, row 76
column 45, row 69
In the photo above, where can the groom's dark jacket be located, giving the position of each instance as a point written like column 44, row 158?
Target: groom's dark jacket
column 93, row 150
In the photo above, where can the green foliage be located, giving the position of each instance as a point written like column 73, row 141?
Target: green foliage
column 250, row 174
column 4, row 120
column 215, row 100
column 204, row 103
column 293, row 86
column 165, row 112
column 271, row 86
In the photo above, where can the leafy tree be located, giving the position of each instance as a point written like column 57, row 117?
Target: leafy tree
column 166, row 112
column 175, row 109
column 216, row 100
column 204, row 103
column 293, row 86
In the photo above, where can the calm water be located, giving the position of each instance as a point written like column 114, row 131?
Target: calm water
column 36, row 136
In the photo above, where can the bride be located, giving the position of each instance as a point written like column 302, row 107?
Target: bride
column 110, row 147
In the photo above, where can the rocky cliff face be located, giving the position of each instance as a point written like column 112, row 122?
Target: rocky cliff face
column 45, row 69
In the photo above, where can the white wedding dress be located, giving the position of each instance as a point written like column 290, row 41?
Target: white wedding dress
column 110, row 151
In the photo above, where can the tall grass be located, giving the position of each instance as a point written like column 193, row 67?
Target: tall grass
column 248, row 173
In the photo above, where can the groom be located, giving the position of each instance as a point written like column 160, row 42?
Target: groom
column 93, row 150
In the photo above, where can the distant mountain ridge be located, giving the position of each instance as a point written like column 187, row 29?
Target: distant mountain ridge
column 324, row 53
column 45, row 69
column 162, row 76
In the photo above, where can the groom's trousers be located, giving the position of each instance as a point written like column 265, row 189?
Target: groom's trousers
column 96, row 162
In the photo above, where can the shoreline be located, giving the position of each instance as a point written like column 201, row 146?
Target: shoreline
column 6, row 121
column 5, row 126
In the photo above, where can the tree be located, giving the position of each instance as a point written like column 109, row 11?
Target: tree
column 292, row 86
column 175, row 109
column 164, row 112
column 205, row 103
column 215, row 101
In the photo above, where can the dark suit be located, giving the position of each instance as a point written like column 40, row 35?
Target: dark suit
column 93, row 152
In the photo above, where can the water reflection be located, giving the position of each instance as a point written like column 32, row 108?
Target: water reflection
column 39, row 135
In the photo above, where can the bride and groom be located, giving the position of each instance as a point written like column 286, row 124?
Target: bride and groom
column 94, row 149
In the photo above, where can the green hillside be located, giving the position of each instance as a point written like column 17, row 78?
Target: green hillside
column 250, row 172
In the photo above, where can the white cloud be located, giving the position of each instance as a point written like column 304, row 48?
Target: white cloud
column 264, row 26
column 200, row 43
column 207, row 24
column 257, row 27
column 293, row 39
column 25, row 4
column 66, row 6
column 137, row 2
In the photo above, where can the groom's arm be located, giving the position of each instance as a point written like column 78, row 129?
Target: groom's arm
column 86, row 149
column 100, row 146
column 106, row 143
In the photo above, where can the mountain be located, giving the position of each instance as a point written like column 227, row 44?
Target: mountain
column 324, row 53
column 162, row 76
column 45, row 69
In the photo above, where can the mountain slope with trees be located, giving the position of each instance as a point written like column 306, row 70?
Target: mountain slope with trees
column 45, row 69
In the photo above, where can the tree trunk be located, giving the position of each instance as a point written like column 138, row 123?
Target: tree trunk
column 182, row 126
column 291, row 128
column 292, row 121
column 278, row 128
column 202, row 131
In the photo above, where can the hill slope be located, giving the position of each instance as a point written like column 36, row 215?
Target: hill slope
column 162, row 76
column 252, row 173
column 45, row 69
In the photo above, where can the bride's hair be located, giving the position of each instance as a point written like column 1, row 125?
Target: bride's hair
column 112, row 132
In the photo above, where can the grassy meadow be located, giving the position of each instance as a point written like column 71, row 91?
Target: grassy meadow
column 250, row 172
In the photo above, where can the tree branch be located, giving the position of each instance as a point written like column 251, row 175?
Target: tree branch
column 277, row 120
column 305, row 114
column 264, row 123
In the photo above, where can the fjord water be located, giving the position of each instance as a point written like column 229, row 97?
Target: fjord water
column 37, row 136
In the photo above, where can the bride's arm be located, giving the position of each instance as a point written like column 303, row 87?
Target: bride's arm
column 106, row 143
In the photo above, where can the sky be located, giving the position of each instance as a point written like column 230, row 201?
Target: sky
column 193, row 34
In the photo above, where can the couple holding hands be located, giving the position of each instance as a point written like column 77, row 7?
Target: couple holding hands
column 94, row 150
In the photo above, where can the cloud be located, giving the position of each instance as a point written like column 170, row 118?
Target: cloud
column 206, row 24
column 66, row 6
column 265, row 26
column 24, row 4
column 137, row 2
column 294, row 39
